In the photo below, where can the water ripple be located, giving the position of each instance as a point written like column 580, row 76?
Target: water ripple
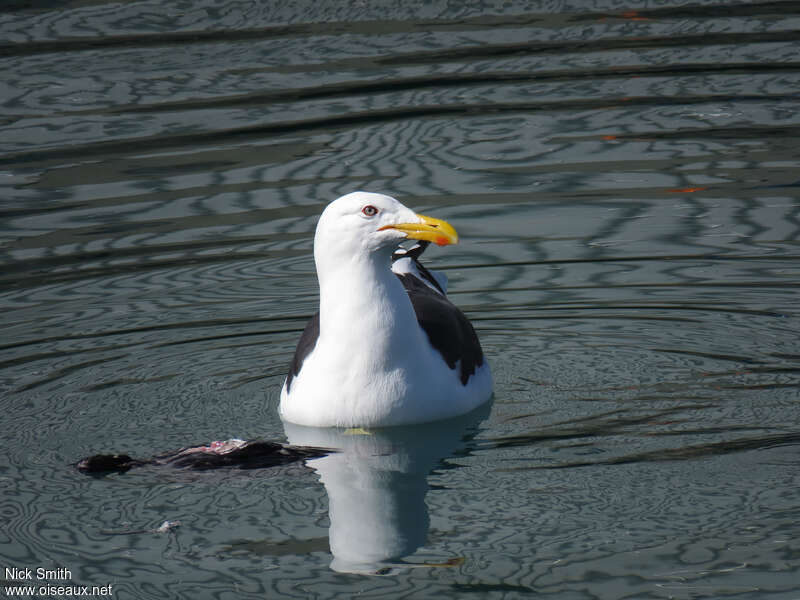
column 625, row 185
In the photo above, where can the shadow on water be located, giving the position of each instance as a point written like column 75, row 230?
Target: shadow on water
column 684, row 452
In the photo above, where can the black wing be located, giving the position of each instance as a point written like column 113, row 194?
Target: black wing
column 304, row 347
column 448, row 329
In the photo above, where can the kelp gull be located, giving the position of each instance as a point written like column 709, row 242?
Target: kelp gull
column 387, row 347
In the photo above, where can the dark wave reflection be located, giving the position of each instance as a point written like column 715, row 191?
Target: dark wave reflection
column 625, row 183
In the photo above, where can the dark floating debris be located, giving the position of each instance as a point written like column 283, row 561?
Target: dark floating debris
column 109, row 463
column 233, row 453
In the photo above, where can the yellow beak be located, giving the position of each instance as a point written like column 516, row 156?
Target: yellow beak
column 429, row 229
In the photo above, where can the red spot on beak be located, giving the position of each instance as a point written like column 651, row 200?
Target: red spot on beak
column 442, row 241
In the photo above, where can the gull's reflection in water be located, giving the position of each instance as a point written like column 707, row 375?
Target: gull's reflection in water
column 376, row 483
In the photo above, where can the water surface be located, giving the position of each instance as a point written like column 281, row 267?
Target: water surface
column 626, row 183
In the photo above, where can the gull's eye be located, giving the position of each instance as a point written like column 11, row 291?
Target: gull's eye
column 369, row 210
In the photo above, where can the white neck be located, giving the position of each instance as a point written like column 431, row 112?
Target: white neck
column 364, row 306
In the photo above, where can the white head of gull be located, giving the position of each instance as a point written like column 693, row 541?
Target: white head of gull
column 387, row 347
